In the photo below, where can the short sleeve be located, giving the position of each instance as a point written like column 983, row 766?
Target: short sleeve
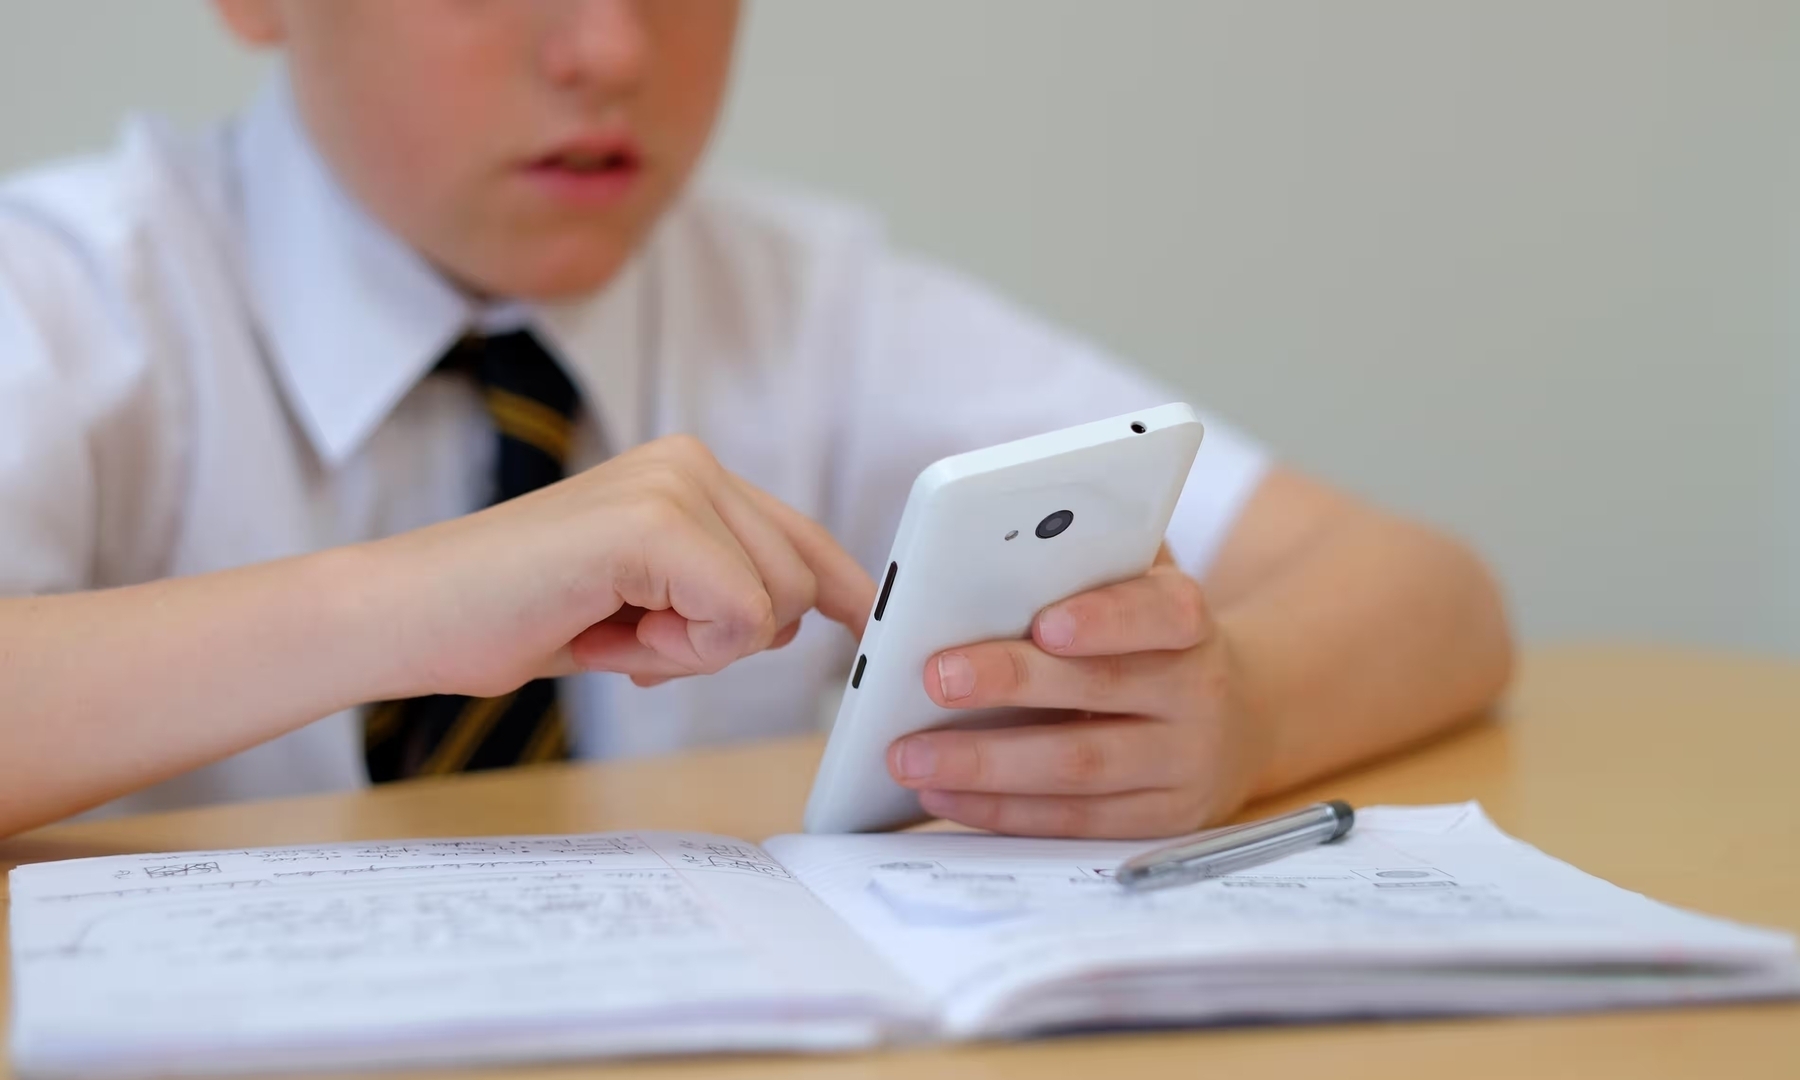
column 946, row 367
column 47, row 496
column 79, row 462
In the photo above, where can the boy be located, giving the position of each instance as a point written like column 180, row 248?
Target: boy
column 250, row 382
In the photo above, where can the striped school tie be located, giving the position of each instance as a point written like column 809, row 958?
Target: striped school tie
column 532, row 404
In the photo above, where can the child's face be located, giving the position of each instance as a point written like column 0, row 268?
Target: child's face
column 524, row 146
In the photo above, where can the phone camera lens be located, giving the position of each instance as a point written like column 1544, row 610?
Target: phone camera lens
column 1054, row 524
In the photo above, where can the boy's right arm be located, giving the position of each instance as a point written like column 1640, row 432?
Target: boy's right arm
column 658, row 563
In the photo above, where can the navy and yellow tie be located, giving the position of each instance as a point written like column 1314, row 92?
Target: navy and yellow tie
column 532, row 404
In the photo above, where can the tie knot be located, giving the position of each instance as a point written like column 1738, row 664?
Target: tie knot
column 514, row 362
column 530, row 399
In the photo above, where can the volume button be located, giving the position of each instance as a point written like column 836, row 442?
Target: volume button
column 887, row 586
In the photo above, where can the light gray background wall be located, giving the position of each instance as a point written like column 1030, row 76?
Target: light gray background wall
column 1529, row 268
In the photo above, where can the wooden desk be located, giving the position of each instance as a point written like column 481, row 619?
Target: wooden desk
column 1668, row 772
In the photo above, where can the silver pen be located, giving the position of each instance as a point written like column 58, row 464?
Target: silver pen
column 1235, row 847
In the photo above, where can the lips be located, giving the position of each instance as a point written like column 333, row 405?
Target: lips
column 592, row 156
column 590, row 171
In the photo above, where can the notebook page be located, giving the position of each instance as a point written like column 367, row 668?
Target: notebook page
column 428, row 951
column 979, row 921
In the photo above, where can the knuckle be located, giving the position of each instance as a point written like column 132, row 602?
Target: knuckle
column 758, row 613
column 679, row 466
column 983, row 812
column 1109, row 675
column 746, row 626
column 793, row 594
column 630, row 578
column 1017, row 670
column 1092, row 616
column 977, row 763
column 685, row 449
column 1081, row 762
column 1098, row 614
column 659, row 514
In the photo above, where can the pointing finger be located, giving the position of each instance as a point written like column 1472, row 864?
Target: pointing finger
column 846, row 593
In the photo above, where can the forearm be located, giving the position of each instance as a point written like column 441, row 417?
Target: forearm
column 102, row 693
column 1374, row 634
column 106, row 692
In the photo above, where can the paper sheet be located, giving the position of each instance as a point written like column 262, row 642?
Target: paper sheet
column 427, row 950
column 977, row 921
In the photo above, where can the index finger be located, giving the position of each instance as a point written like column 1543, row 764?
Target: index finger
column 846, row 592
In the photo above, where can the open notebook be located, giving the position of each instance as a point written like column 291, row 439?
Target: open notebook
column 436, row 951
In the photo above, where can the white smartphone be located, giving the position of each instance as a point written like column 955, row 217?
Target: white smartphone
column 988, row 539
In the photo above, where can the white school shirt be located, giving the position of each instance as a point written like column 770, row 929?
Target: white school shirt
column 211, row 356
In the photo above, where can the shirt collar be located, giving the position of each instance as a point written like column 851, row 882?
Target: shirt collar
column 353, row 317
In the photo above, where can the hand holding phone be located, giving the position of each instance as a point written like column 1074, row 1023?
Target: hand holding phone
column 987, row 540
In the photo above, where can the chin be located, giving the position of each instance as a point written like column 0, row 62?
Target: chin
column 567, row 278
column 563, row 283
column 556, row 272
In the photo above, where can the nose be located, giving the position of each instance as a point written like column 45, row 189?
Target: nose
column 597, row 45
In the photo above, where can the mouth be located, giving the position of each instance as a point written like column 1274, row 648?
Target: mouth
column 589, row 171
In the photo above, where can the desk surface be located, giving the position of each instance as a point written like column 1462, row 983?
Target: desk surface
column 1666, row 772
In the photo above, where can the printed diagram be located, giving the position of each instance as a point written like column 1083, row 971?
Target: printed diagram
column 181, row 869
column 718, row 855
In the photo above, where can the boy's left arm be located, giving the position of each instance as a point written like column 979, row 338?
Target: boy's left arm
column 1326, row 632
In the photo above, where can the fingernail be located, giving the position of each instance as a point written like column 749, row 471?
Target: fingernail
column 937, row 803
column 1056, row 628
column 918, row 759
column 956, row 676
